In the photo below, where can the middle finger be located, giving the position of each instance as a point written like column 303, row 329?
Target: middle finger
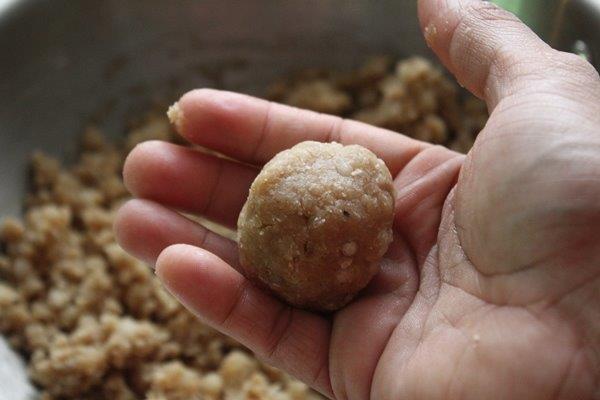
column 188, row 180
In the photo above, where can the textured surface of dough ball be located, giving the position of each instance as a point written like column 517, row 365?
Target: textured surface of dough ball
column 317, row 221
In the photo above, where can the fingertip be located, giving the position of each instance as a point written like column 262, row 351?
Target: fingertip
column 178, row 264
column 200, row 280
column 189, row 104
column 204, row 101
column 130, row 229
column 425, row 11
column 218, row 119
column 179, row 268
column 438, row 23
column 204, row 111
column 134, row 167
column 176, row 261
column 487, row 48
column 121, row 223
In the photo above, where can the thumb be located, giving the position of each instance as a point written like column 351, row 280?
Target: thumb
column 493, row 54
column 527, row 199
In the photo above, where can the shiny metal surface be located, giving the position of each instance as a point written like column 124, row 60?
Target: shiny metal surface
column 63, row 62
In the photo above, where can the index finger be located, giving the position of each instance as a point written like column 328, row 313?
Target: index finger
column 253, row 130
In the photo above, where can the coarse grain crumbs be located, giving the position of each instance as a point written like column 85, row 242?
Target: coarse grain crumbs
column 430, row 33
column 11, row 230
column 321, row 96
column 297, row 390
column 92, row 322
column 211, row 385
column 412, row 97
column 431, row 129
column 70, row 370
column 174, row 381
column 115, row 387
column 156, row 127
column 175, row 115
column 93, row 139
column 236, row 367
column 8, row 295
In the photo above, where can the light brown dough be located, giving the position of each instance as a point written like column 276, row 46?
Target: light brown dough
column 317, row 222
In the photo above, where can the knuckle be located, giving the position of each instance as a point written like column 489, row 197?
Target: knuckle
column 575, row 64
column 335, row 131
column 279, row 331
column 265, row 131
column 237, row 300
column 571, row 76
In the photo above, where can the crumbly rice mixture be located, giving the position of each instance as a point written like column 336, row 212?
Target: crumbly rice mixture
column 94, row 323
column 411, row 96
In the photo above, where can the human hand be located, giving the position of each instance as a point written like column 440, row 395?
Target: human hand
column 491, row 288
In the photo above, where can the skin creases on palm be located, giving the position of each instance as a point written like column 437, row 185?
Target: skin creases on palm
column 517, row 331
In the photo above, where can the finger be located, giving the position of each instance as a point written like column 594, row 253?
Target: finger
column 535, row 144
column 189, row 180
column 254, row 130
column 491, row 52
column 421, row 190
column 144, row 229
column 378, row 310
column 294, row 340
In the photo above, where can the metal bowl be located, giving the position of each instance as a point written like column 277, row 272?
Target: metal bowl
column 64, row 62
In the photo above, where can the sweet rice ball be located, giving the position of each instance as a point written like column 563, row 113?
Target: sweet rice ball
column 317, row 221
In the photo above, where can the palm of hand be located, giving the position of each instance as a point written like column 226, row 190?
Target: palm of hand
column 507, row 263
column 490, row 288
column 499, row 312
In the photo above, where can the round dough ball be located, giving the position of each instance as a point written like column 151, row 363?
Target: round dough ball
column 316, row 223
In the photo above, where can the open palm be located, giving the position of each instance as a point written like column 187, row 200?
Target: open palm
column 491, row 288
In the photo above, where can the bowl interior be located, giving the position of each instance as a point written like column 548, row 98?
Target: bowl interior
column 65, row 62
column 68, row 63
